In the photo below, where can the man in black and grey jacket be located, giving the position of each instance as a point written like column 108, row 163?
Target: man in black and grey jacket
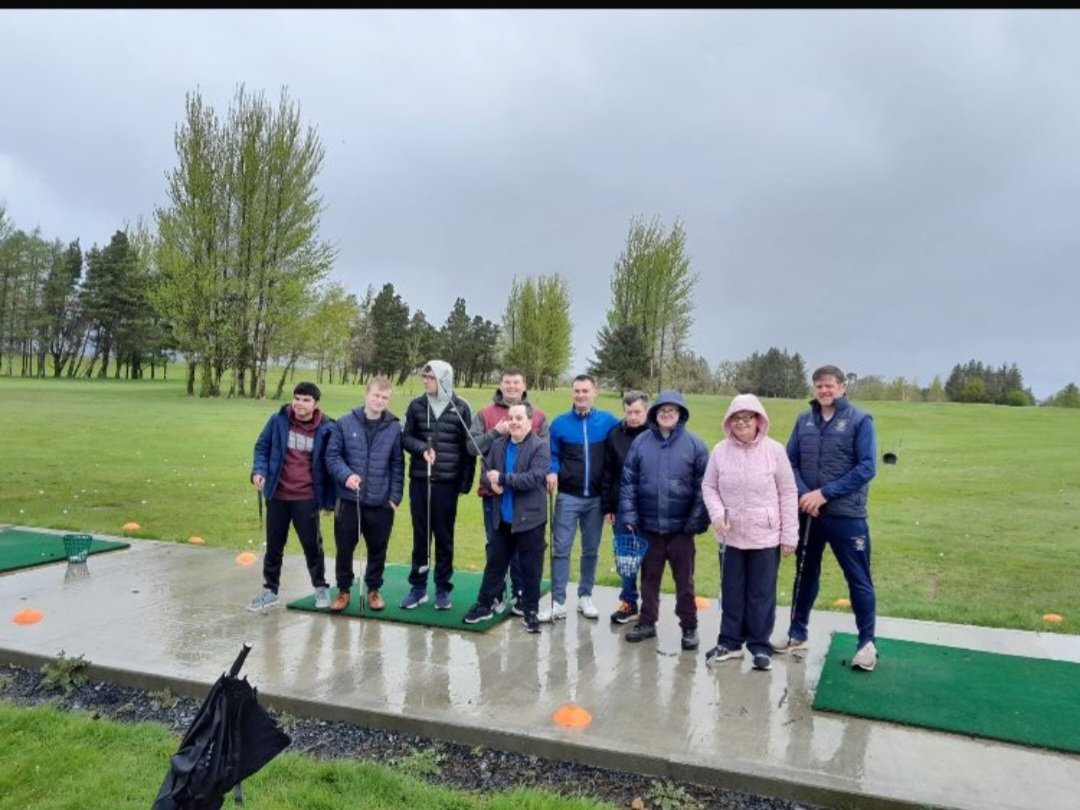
column 436, row 437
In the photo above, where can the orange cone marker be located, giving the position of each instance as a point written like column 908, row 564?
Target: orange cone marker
column 131, row 526
column 571, row 716
column 246, row 558
column 28, row 616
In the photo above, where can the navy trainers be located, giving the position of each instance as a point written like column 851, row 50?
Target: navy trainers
column 415, row 597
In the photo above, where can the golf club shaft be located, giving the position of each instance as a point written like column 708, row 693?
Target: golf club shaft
column 359, row 545
column 800, row 555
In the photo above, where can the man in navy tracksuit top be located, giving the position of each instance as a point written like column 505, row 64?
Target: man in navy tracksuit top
column 832, row 451
column 367, row 464
column 288, row 469
column 577, row 461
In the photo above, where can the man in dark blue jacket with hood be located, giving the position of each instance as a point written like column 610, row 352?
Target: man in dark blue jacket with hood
column 660, row 497
column 290, row 472
column 367, row 464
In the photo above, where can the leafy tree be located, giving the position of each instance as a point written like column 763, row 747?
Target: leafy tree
column 62, row 322
column 652, row 288
column 423, row 341
column 1067, row 397
column 390, row 334
column 536, row 330
column 773, row 374
column 977, row 382
column 622, row 359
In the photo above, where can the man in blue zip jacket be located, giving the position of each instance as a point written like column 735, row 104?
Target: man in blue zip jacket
column 832, row 450
column 577, row 440
column 289, row 470
column 367, row 464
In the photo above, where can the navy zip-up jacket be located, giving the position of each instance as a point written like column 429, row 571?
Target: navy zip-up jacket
column 380, row 465
column 837, row 457
column 269, row 456
column 660, row 490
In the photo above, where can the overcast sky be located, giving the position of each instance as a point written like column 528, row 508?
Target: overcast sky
column 892, row 192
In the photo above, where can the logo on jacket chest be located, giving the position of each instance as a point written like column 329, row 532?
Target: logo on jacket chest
column 841, row 425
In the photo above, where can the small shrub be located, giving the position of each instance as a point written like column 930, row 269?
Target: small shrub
column 1017, row 399
column 421, row 764
column 66, row 674
column 669, row 796
column 164, row 699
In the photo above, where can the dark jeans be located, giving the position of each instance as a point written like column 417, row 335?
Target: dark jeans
column 304, row 517
column 849, row 539
column 679, row 550
column 444, row 498
column 375, row 523
column 748, row 598
column 528, row 547
column 516, row 577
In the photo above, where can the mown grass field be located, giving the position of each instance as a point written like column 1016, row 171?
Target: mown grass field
column 978, row 523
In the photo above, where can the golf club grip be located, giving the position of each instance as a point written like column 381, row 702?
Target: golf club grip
column 238, row 664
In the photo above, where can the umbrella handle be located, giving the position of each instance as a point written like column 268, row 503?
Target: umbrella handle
column 239, row 662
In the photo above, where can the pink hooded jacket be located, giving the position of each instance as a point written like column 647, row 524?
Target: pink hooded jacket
column 754, row 482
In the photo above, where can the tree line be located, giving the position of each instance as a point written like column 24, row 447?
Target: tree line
column 233, row 279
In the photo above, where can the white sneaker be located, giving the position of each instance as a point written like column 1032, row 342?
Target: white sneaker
column 866, row 658
column 586, row 607
column 558, row 611
column 322, row 597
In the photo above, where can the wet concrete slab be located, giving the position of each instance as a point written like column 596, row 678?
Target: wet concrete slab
column 171, row 615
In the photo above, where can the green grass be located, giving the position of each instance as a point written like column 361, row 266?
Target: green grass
column 54, row 760
column 978, row 523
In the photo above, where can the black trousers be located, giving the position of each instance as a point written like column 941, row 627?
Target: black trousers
column 528, row 548
column 748, row 598
column 444, row 499
column 375, row 524
column 304, row 517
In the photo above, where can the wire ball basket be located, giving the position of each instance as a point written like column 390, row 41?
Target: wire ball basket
column 630, row 549
column 77, row 547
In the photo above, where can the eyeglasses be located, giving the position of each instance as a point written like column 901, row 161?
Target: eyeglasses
column 744, row 417
column 667, row 412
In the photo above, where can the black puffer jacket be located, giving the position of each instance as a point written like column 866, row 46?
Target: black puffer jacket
column 447, row 433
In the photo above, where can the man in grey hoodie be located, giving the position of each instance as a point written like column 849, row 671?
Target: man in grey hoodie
column 436, row 437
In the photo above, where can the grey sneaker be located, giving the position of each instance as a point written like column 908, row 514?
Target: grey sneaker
column 442, row 600
column 788, row 644
column 322, row 598
column 720, row 653
column 415, row 597
column 762, row 662
column 264, row 599
column 866, row 658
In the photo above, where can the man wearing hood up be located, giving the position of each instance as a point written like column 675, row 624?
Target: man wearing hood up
column 660, row 498
column 436, row 437
column 753, row 504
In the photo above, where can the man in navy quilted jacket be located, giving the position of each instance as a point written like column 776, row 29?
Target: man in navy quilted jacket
column 366, row 462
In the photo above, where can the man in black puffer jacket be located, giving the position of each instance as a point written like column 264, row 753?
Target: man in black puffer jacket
column 365, row 460
column 436, row 437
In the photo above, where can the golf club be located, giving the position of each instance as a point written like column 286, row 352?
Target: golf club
column 259, row 496
column 430, row 537
column 800, row 554
column 363, row 564
column 551, row 552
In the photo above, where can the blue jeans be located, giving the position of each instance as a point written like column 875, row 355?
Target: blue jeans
column 517, row 578
column 849, row 539
column 571, row 512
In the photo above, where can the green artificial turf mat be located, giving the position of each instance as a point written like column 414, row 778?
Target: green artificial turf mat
column 396, row 586
column 1031, row 701
column 21, row 549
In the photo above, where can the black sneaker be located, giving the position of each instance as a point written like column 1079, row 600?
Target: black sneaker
column 762, row 662
column 689, row 638
column 532, row 622
column 477, row 613
column 624, row 613
column 640, row 632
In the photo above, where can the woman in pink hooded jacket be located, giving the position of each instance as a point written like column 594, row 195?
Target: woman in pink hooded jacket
column 749, row 490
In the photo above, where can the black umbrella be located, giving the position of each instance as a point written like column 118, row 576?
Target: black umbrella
column 230, row 738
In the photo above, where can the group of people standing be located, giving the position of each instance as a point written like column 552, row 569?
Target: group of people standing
column 646, row 475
